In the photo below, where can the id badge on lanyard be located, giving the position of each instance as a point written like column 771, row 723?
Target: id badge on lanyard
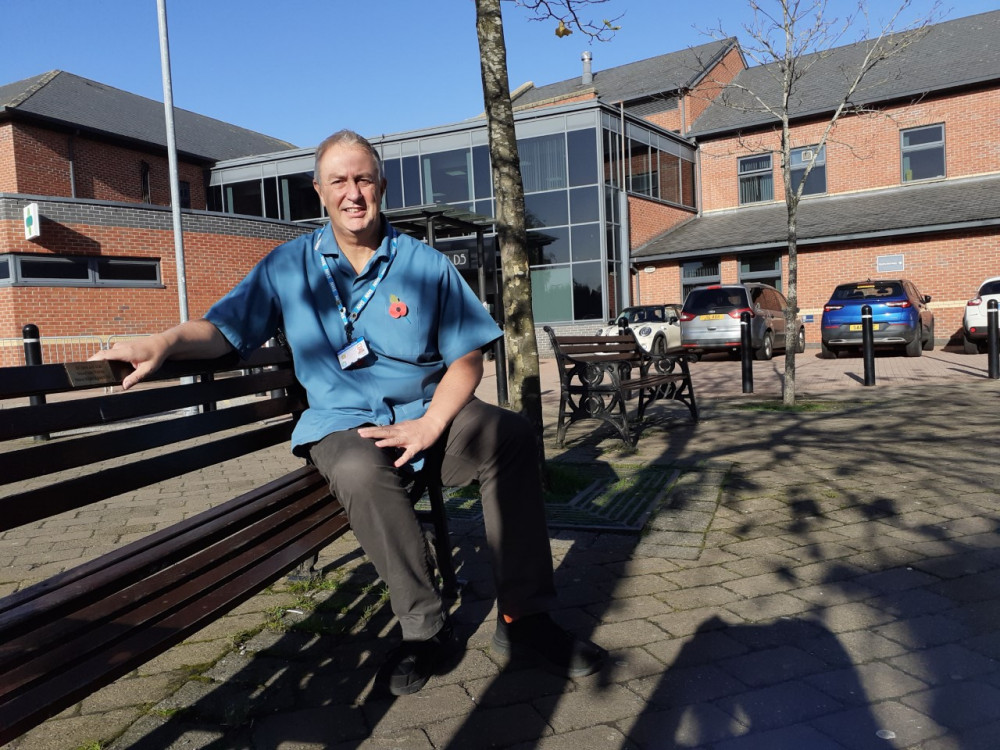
column 357, row 348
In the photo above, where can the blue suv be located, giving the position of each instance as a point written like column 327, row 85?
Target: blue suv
column 900, row 317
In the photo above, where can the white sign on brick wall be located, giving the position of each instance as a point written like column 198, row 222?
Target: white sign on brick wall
column 32, row 224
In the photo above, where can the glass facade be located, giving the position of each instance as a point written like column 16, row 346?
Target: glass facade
column 576, row 163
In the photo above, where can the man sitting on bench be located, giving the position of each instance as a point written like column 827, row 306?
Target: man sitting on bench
column 386, row 337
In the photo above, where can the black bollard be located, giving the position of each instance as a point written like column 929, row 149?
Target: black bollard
column 33, row 357
column 868, row 344
column 992, row 336
column 746, row 351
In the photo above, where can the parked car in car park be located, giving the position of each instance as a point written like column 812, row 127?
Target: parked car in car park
column 900, row 317
column 974, row 321
column 710, row 319
column 656, row 327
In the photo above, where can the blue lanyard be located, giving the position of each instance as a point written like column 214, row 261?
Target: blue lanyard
column 349, row 318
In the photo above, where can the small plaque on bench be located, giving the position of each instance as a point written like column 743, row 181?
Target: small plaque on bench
column 82, row 374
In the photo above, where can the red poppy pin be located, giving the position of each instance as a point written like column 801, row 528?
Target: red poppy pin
column 397, row 308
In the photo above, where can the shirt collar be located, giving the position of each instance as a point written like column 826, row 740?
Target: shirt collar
column 326, row 244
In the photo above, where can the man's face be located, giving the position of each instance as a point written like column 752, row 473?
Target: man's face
column 350, row 190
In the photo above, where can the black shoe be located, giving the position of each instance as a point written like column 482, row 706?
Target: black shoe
column 410, row 664
column 537, row 637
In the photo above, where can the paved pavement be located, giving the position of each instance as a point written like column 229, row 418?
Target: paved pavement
column 810, row 580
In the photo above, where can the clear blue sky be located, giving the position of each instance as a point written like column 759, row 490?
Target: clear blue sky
column 300, row 69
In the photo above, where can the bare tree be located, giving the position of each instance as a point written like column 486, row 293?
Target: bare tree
column 789, row 38
column 519, row 326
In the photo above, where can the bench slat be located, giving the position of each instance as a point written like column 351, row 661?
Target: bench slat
column 42, row 502
column 53, row 456
column 74, row 683
column 82, row 412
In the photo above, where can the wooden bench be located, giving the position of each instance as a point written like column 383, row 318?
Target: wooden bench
column 79, row 630
column 599, row 375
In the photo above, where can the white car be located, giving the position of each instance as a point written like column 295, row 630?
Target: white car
column 657, row 327
column 974, row 322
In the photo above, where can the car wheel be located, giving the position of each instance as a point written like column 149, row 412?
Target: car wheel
column 766, row 350
column 970, row 346
column 826, row 352
column 915, row 347
column 929, row 343
column 800, row 342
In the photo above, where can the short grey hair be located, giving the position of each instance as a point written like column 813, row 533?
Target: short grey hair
column 347, row 138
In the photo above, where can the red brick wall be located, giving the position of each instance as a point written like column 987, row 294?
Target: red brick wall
column 863, row 151
column 697, row 101
column 8, row 176
column 101, row 171
column 647, row 219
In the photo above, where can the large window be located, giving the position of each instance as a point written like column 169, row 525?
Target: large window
column 756, row 179
column 764, row 268
column 448, row 176
column 697, row 272
column 922, row 151
column 76, row 270
column 816, row 180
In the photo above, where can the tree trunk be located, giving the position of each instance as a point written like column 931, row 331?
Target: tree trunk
column 519, row 328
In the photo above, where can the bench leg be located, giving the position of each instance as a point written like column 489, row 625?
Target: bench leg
column 306, row 570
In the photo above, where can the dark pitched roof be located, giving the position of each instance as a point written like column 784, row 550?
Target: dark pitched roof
column 910, row 209
column 655, row 75
column 947, row 55
column 65, row 99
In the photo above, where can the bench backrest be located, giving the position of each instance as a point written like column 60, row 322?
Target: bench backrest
column 105, row 442
column 622, row 347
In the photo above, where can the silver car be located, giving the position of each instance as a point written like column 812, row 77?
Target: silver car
column 710, row 319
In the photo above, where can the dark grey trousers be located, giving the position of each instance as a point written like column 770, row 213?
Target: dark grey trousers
column 486, row 443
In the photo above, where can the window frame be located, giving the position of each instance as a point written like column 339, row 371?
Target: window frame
column 17, row 278
column 819, row 160
column 906, row 150
column 755, row 174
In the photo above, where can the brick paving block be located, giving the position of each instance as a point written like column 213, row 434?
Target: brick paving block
column 771, row 665
column 652, row 583
column 701, row 596
column 952, row 661
column 856, row 647
column 641, row 566
column 761, row 585
column 969, row 739
column 701, row 576
column 711, row 646
column 428, row 706
column 75, row 732
column 926, row 630
column 866, row 683
column 628, row 664
column 861, row 615
column 958, row 705
column 514, row 684
column 679, row 686
column 587, row 706
column 777, row 706
column 628, row 608
column 310, row 728
column 407, row 739
column 507, row 725
column 687, row 622
column 896, row 579
column 817, row 550
column 761, row 608
column 689, row 726
column 627, row 634
column 798, row 737
column 129, row 691
column 825, row 595
column 600, row 736
column 859, row 727
column 187, row 655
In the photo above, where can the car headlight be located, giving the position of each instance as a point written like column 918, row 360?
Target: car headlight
column 645, row 331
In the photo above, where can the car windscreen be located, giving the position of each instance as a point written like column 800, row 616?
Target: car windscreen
column 990, row 287
column 721, row 298
column 868, row 290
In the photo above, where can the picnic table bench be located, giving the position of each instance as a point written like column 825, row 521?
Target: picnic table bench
column 599, row 375
column 66, row 636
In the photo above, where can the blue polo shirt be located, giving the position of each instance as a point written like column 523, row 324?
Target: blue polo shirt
column 410, row 352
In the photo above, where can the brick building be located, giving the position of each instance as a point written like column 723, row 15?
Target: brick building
column 93, row 159
column 641, row 181
column 908, row 188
